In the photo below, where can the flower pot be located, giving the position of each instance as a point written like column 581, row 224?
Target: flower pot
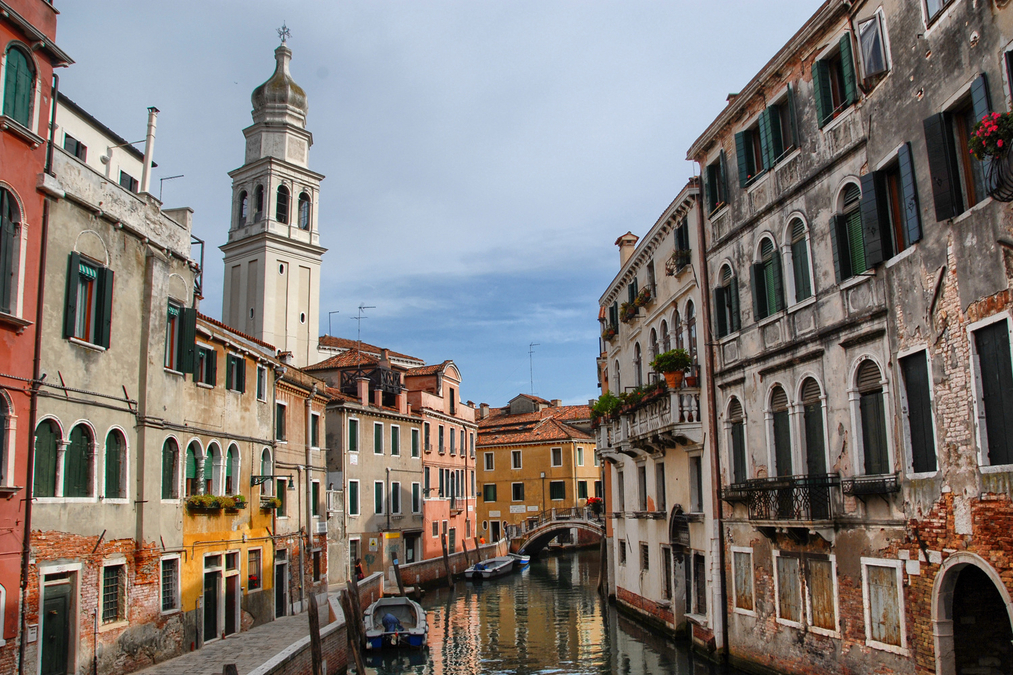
column 691, row 380
column 674, row 379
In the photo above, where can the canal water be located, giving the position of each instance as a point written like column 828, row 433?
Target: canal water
column 547, row 619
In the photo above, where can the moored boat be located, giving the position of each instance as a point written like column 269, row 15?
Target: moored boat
column 521, row 561
column 396, row 622
column 490, row 569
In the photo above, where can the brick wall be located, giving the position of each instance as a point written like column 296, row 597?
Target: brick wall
column 648, row 608
column 430, row 572
column 297, row 659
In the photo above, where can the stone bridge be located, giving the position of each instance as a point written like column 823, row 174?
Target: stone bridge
column 536, row 532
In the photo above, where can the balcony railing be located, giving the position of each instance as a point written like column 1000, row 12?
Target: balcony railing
column 860, row 486
column 788, row 498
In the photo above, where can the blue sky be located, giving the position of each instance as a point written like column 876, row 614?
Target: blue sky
column 481, row 157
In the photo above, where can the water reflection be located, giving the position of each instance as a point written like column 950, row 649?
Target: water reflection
column 546, row 619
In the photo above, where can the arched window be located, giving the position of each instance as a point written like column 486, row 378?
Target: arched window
column 638, row 370
column 846, row 236
column 47, row 439
column 19, row 87
column 768, row 287
column 691, row 330
column 666, row 339
column 726, row 302
column 680, row 340
column 304, row 211
column 170, row 469
column 258, row 203
column 266, row 469
column 281, row 205
column 5, row 430
column 244, row 204
column 194, row 461
column 115, row 465
column 800, row 260
column 812, row 416
column 873, row 418
column 782, row 431
column 232, row 470
column 213, row 470
column 77, row 463
column 654, row 343
column 10, row 220
column 619, row 385
column 737, row 427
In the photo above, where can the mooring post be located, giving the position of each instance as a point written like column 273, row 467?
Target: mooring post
column 446, row 561
column 355, row 639
column 397, row 576
column 316, row 654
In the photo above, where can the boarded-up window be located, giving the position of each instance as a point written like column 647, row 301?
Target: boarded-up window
column 789, row 592
column 666, row 571
column 743, row 567
column 700, row 584
column 821, row 590
column 884, row 610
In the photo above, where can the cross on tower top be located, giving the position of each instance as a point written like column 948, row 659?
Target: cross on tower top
column 284, row 33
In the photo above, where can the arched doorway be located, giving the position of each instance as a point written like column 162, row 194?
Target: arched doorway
column 971, row 613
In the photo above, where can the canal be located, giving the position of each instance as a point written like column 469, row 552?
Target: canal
column 546, row 619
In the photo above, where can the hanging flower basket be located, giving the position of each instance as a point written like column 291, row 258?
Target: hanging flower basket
column 990, row 143
column 609, row 333
column 627, row 312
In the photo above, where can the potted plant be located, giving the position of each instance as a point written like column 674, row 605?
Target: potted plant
column 627, row 312
column 673, row 364
column 990, row 143
column 605, row 406
column 643, row 297
column 234, row 502
column 203, row 503
column 609, row 333
column 269, row 503
column 595, row 504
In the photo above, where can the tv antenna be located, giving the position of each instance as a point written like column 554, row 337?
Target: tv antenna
column 531, row 364
column 358, row 333
column 336, row 311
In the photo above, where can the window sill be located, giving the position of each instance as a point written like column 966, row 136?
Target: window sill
column 924, row 475
column 996, row 468
column 744, row 612
column 851, row 282
column 811, row 300
column 790, row 624
column 170, row 612
column 756, row 181
column 698, row 619
column 770, row 318
column 900, row 256
column 826, row 632
column 977, row 207
column 729, row 338
column 113, row 625
column 202, row 385
column 173, row 371
column 893, row 649
column 787, row 157
column 66, row 500
column 837, row 121
column 9, row 491
column 116, row 500
column 261, row 400
column 175, row 501
column 18, row 323
column 87, row 345
column 718, row 212
column 22, row 132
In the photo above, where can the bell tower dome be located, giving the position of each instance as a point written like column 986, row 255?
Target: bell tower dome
column 273, row 255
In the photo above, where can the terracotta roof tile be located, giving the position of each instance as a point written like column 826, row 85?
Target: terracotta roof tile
column 550, row 424
column 427, row 370
column 352, row 345
column 219, row 324
column 343, row 360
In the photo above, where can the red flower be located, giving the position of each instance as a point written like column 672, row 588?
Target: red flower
column 999, row 143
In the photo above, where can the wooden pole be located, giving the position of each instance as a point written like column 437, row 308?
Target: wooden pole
column 230, row 669
column 464, row 545
column 315, row 651
column 353, row 587
column 446, row 561
column 355, row 639
column 397, row 575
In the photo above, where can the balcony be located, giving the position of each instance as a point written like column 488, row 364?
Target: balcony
column 680, row 260
column 787, row 500
column 663, row 419
column 861, row 486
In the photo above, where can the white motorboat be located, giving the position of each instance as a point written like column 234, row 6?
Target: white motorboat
column 396, row 622
column 521, row 561
column 490, row 569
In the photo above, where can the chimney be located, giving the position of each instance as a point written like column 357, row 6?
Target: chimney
column 556, row 402
column 363, row 384
column 378, row 398
column 287, row 358
column 384, row 358
column 626, row 243
column 483, row 411
column 149, row 150
column 402, row 402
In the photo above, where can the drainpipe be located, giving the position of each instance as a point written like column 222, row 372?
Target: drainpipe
column 712, row 420
column 33, row 406
column 309, row 482
column 149, row 150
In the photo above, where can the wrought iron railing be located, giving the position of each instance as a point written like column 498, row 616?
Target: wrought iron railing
column 871, row 485
column 575, row 513
column 788, row 498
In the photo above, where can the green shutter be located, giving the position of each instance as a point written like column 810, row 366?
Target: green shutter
column 168, row 470
column 186, row 355
column 76, row 478
column 104, row 315
column 719, row 311
column 709, row 188
column 839, row 246
column 821, row 91
column 44, row 480
column 212, row 367
column 353, row 435
column 240, row 374
column 113, row 457
column 759, row 292
column 848, row 70
column 11, row 82
column 874, row 433
column 792, row 116
column 70, row 307
column 943, row 167
column 909, row 195
column 856, row 242
column 766, row 141
column 741, row 147
column 191, row 463
column 875, row 210
column 230, row 457
column 800, row 264
column 723, row 177
column 228, row 371
column 378, row 439
column 778, row 291
column 733, row 302
column 776, row 133
column 6, row 258
column 18, row 88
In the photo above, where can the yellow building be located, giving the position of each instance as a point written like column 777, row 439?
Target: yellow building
column 533, row 455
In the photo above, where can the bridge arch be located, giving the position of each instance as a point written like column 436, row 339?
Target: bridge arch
column 533, row 539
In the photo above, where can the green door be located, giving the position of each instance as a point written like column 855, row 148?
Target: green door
column 56, row 630
column 212, row 584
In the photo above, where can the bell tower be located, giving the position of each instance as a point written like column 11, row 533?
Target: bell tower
column 273, row 255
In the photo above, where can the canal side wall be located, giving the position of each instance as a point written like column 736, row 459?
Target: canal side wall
column 428, row 573
column 297, row 659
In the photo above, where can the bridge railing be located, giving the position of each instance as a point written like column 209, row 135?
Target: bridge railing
column 558, row 515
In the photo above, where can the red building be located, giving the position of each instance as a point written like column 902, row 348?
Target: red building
column 29, row 54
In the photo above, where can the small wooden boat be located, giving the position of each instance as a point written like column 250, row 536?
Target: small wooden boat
column 490, row 569
column 395, row 622
column 521, row 561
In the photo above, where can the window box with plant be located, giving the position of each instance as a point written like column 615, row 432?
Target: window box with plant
column 644, row 297
column 204, row 503
column 609, row 333
column 604, row 408
column 270, row 503
column 628, row 311
column 673, row 364
column 989, row 144
column 234, row 503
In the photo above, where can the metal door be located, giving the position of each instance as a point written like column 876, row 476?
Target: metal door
column 212, row 585
column 280, row 588
column 56, row 630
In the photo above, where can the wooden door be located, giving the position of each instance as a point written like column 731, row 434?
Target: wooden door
column 56, row 630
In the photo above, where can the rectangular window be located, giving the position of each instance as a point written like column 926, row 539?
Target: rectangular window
column 582, row 489
column 440, row 435
column 821, row 585
column 443, row 482
column 557, row 490
column 659, row 487
column 517, row 492
column 395, row 441
column 88, row 310
column 282, row 495
column 261, row 383
column 279, row 421
column 114, row 590
column 428, row 444
column 206, row 370
column 599, row 492
column 462, row 442
column 620, row 492
column 395, row 498
column 353, row 435
column 557, row 457
column 425, row 473
column 715, row 185
column 353, row 554
column 699, row 584
column 129, row 182
column 353, row 497
column 642, row 488
column 489, row 461
column 75, row 147
column 580, row 456
column 918, row 410
column 314, row 430
column 622, row 552
column 993, row 378
column 436, row 529
column 377, row 438
column 645, row 557
column 472, row 482
column 882, row 587
column 873, row 47
column 834, row 82
column 254, row 566
column 415, row 442
column 315, row 498
column 472, row 443
column 453, row 450
column 235, row 373
column 317, row 565
column 934, row 7
column 788, row 581
column 416, row 498
column 515, row 459
column 750, row 155
column 172, row 336
column 742, row 579
column 170, row 584
column 489, row 492
column 378, row 499
column 696, row 484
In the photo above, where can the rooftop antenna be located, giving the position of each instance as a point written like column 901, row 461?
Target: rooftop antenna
column 337, row 311
column 161, row 181
column 531, row 364
column 358, row 333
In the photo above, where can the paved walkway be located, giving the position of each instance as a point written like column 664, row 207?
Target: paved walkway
column 247, row 650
